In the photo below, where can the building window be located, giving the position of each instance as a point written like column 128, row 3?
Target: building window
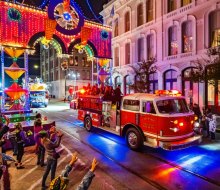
column 149, row 10
column 117, row 81
column 127, row 21
column 127, row 84
column 140, row 14
column 127, row 54
column 214, row 27
column 150, row 46
column 190, row 89
column 170, row 80
column 172, row 5
column 187, row 39
column 153, row 82
column 76, row 61
column 185, row 2
column 116, row 56
column 116, row 28
column 140, row 49
column 173, row 45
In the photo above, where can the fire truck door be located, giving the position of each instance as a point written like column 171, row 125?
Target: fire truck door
column 148, row 118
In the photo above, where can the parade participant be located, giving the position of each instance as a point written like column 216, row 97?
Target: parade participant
column 118, row 96
column 21, row 138
column 61, row 182
column 52, row 156
column 208, row 115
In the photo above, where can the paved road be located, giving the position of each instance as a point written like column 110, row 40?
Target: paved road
column 119, row 167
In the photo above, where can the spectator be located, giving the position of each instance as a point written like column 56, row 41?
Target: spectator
column 212, row 126
column 21, row 138
column 197, row 111
column 52, row 156
column 3, row 130
column 208, row 114
column 53, row 134
column 39, row 148
column 61, row 182
column 118, row 96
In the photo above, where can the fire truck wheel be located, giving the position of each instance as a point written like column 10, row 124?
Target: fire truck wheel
column 88, row 123
column 134, row 139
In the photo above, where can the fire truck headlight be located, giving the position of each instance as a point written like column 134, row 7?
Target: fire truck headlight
column 196, row 124
column 175, row 129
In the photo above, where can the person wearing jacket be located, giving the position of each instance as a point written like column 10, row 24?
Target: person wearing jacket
column 52, row 156
column 21, row 138
column 61, row 182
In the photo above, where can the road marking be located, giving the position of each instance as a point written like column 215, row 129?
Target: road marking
column 33, row 186
column 26, row 174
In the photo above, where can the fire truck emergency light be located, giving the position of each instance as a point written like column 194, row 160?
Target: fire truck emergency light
column 168, row 92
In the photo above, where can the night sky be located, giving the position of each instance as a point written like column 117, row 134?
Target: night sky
column 96, row 6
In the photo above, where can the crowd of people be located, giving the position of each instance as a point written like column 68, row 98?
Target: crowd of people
column 46, row 142
column 207, row 121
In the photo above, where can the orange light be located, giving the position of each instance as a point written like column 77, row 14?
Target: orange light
column 195, row 118
column 181, row 124
column 192, row 122
column 168, row 92
column 82, row 91
column 175, row 122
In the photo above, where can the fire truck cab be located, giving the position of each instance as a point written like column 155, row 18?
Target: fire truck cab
column 156, row 120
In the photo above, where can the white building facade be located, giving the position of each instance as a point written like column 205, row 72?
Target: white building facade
column 175, row 32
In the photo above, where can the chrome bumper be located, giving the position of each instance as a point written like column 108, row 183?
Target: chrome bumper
column 195, row 140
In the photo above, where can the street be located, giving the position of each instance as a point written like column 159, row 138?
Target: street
column 119, row 167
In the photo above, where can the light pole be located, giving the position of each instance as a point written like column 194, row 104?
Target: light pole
column 66, row 75
column 75, row 76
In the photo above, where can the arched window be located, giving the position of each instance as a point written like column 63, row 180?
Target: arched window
column 150, row 46
column 117, row 81
column 127, row 83
column 190, row 89
column 127, row 21
column 185, row 2
column 172, row 5
column 170, row 80
column 116, row 28
column 214, row 28
column 187, row 38
column 127, row 54
column 173, row 45
column 140, row 14
column 116, row 56
column 153, row 82
column 140, row 49
column 149, row 10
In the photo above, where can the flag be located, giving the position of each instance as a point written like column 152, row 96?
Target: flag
column 112, row 13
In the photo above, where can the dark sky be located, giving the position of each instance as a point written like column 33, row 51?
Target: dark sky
column 96, row 6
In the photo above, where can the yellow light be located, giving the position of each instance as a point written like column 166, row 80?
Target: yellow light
column 175, row 122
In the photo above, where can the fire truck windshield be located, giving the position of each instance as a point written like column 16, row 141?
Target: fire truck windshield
column 172, row 106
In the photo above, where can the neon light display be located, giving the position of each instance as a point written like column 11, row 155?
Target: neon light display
column 19, row 31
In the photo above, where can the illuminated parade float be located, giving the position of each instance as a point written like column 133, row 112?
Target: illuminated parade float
column 62, row 25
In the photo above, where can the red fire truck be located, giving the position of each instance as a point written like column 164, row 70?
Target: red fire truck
column 156, row 120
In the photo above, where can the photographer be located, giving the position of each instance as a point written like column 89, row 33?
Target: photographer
column 52, row 156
